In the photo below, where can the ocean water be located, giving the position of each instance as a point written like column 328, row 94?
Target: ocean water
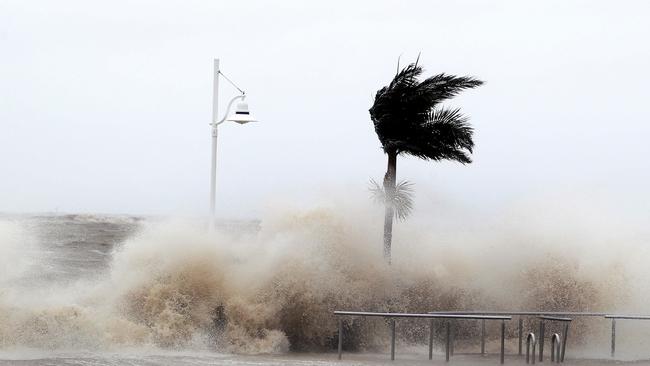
column 127, row 290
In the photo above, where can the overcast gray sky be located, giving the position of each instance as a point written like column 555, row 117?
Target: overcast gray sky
column 105, row 105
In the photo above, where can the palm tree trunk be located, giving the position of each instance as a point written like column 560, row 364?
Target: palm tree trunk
column 389, row 189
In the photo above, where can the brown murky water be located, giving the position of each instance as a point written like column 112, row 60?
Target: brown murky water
column 122, row 290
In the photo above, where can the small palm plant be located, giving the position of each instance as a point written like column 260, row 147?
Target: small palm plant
column 409, row 120
column 401, row 200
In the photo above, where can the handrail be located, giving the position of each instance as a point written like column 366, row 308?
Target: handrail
column 530, row 313
column 530, row 339
column 555, row 318
column 622, row 317
column 422, row 315
column 635, row 317
column 448, row 347
column 555, row 348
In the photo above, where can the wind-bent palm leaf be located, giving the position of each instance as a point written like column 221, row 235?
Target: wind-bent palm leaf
column 408, row 119
column 444, row 135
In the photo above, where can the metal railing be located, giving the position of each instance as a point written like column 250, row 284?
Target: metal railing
column 558, row 344
column 555, row 348
column 448, row 343
column 521, row 315
column 542, row 329
column 530, row 340
column 626, row 317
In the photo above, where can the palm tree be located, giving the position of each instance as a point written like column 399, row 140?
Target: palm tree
column 409, row 120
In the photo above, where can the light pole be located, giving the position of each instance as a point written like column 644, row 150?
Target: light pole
column 241, row 116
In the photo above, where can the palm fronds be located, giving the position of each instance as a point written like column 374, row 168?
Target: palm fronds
column 401, row 200
column 408, row 118
column 444, row 135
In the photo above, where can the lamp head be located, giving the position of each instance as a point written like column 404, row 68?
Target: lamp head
column 242, row 114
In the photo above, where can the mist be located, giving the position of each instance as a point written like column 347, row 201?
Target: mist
column 105, row 107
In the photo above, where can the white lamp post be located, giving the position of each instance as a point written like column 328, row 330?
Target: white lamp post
column 241, row 116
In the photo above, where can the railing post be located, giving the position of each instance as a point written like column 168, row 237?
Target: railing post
column 503, row 340
column 392, row 339
column 431, row 339
column 453, row 339
column 555, row 348
column 521, row 333
column 530, row 339
column 541, row 340
column 564, row 340
column 448, row 341
column 482, row 336
column 613, row 336
column 340, row 337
